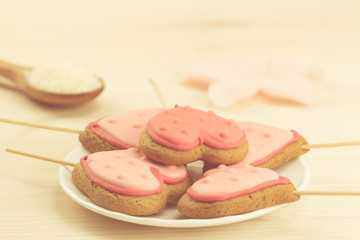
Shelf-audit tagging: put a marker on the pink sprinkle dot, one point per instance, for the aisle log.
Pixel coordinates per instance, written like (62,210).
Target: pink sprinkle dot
(121,176)
(111,121)
(185,130)
(236,178)
(269,134)
(164,128)
(177,120)
(208,180)
(230,122)
(137,125)
(145,176)
(224,133)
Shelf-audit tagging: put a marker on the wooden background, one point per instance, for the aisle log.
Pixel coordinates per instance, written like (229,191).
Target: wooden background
(126,42)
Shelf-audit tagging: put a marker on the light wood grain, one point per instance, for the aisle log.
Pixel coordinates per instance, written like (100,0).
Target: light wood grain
(126,42)
(35,125)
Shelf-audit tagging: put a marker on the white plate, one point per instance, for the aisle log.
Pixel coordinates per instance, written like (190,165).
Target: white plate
(297,171)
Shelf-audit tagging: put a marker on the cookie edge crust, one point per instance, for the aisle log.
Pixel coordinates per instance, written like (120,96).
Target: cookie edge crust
(93,143)
(131,205)
(177,190)
(162,154)
(287,154)
(263,198)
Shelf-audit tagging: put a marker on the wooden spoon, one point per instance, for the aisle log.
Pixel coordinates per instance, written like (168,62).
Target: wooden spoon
(16,73)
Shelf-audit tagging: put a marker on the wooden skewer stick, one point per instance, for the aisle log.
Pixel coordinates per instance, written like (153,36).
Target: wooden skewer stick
(306,146)
(60,129)
(166,105)
(159,93)
(328,193)
(330,145)
(40,157)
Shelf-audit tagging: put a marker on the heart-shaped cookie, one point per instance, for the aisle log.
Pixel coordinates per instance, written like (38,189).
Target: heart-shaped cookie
(118,131)
(269,147)
(127,181)
(230,191)
(183,134)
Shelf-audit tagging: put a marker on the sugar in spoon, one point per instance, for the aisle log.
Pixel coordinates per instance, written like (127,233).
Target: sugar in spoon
(19,75)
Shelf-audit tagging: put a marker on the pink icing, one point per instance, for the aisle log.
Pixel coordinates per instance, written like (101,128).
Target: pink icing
(123,130)
(264,143)
(184,128)
(172,174)
(228,182)
(130,172)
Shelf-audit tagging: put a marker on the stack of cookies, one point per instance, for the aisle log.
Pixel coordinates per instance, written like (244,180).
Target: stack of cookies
(138,163)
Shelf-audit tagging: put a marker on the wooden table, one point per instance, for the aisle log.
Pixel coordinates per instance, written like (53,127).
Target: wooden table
(126,43)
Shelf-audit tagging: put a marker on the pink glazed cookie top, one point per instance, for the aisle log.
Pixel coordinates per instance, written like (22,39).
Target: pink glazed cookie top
(123,130)
(228,182)
(130,172)
(184,128)
(265,141)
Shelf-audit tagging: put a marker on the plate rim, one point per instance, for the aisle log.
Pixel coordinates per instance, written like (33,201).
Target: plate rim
(173,223)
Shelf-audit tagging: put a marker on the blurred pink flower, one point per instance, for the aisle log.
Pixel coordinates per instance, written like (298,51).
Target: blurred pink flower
(231,80)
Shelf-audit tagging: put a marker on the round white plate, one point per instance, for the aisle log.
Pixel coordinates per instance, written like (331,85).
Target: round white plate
(297,171)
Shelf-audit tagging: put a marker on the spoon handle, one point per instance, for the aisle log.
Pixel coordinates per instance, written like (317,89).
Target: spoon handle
(11,71)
